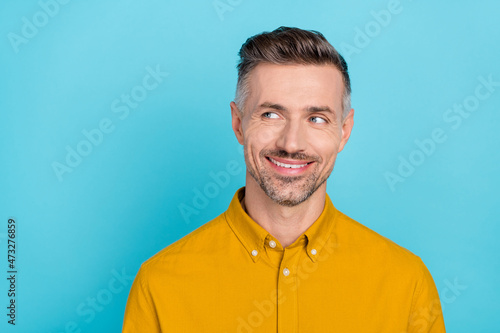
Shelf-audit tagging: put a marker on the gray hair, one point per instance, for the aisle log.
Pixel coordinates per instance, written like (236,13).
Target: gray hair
(289,46)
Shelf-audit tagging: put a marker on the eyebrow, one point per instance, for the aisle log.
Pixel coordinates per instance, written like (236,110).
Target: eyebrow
(325,108)
(311,109)
(267,105)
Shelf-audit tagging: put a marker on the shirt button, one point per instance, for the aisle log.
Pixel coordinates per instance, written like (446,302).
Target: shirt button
(255,252)
(286,272)
(313,252)
(272,244)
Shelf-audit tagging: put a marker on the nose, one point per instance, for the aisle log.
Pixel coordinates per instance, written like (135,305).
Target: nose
(292,138)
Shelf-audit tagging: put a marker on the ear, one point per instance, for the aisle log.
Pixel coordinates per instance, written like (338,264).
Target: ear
(236,118)
(347,124)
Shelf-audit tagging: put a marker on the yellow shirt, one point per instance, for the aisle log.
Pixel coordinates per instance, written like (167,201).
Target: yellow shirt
(231,275)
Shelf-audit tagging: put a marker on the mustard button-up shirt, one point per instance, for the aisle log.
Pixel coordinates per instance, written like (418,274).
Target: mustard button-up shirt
(231,275)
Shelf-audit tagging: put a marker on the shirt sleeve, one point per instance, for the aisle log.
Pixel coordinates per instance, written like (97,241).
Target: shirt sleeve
(140,312)
(426,315)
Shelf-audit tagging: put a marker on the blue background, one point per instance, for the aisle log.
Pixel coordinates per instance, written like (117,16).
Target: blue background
(122,203)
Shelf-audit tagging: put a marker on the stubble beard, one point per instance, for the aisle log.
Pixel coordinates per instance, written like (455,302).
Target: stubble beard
(286,191)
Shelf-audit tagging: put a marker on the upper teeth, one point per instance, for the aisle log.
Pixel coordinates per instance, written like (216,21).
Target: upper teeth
(284,165)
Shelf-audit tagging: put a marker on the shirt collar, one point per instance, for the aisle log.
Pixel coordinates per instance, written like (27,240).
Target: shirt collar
(252,236)
(320,232)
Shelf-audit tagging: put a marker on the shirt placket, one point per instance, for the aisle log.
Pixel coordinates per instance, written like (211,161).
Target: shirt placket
(287,291)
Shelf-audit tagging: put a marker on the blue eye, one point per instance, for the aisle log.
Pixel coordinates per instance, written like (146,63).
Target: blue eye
(318,120)
(270,115)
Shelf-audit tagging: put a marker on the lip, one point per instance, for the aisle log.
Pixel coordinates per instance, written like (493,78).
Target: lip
(289,171)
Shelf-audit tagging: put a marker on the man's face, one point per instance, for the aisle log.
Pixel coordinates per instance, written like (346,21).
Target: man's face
(292,128)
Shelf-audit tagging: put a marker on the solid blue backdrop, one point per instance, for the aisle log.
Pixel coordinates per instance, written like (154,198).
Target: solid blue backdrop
(114,119)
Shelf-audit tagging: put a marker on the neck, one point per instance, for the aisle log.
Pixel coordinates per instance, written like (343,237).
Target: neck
(286,224)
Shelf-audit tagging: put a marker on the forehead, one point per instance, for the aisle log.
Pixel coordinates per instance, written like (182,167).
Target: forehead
(296,85)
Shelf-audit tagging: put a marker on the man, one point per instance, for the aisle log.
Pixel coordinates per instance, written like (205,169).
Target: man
(282,258)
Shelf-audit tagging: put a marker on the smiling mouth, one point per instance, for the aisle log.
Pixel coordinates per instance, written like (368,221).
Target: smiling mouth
(288,166)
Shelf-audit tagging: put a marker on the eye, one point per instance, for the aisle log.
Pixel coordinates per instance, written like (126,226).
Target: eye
(317,120)
(270,115)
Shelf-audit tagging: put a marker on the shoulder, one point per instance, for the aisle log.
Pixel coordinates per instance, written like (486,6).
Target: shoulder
(364,242)
(190,249)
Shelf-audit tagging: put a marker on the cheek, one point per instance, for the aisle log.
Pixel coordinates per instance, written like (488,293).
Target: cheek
(326,146)
(329,155)
(261,136)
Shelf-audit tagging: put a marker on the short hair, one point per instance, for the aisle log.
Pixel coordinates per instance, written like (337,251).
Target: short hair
(284,46)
